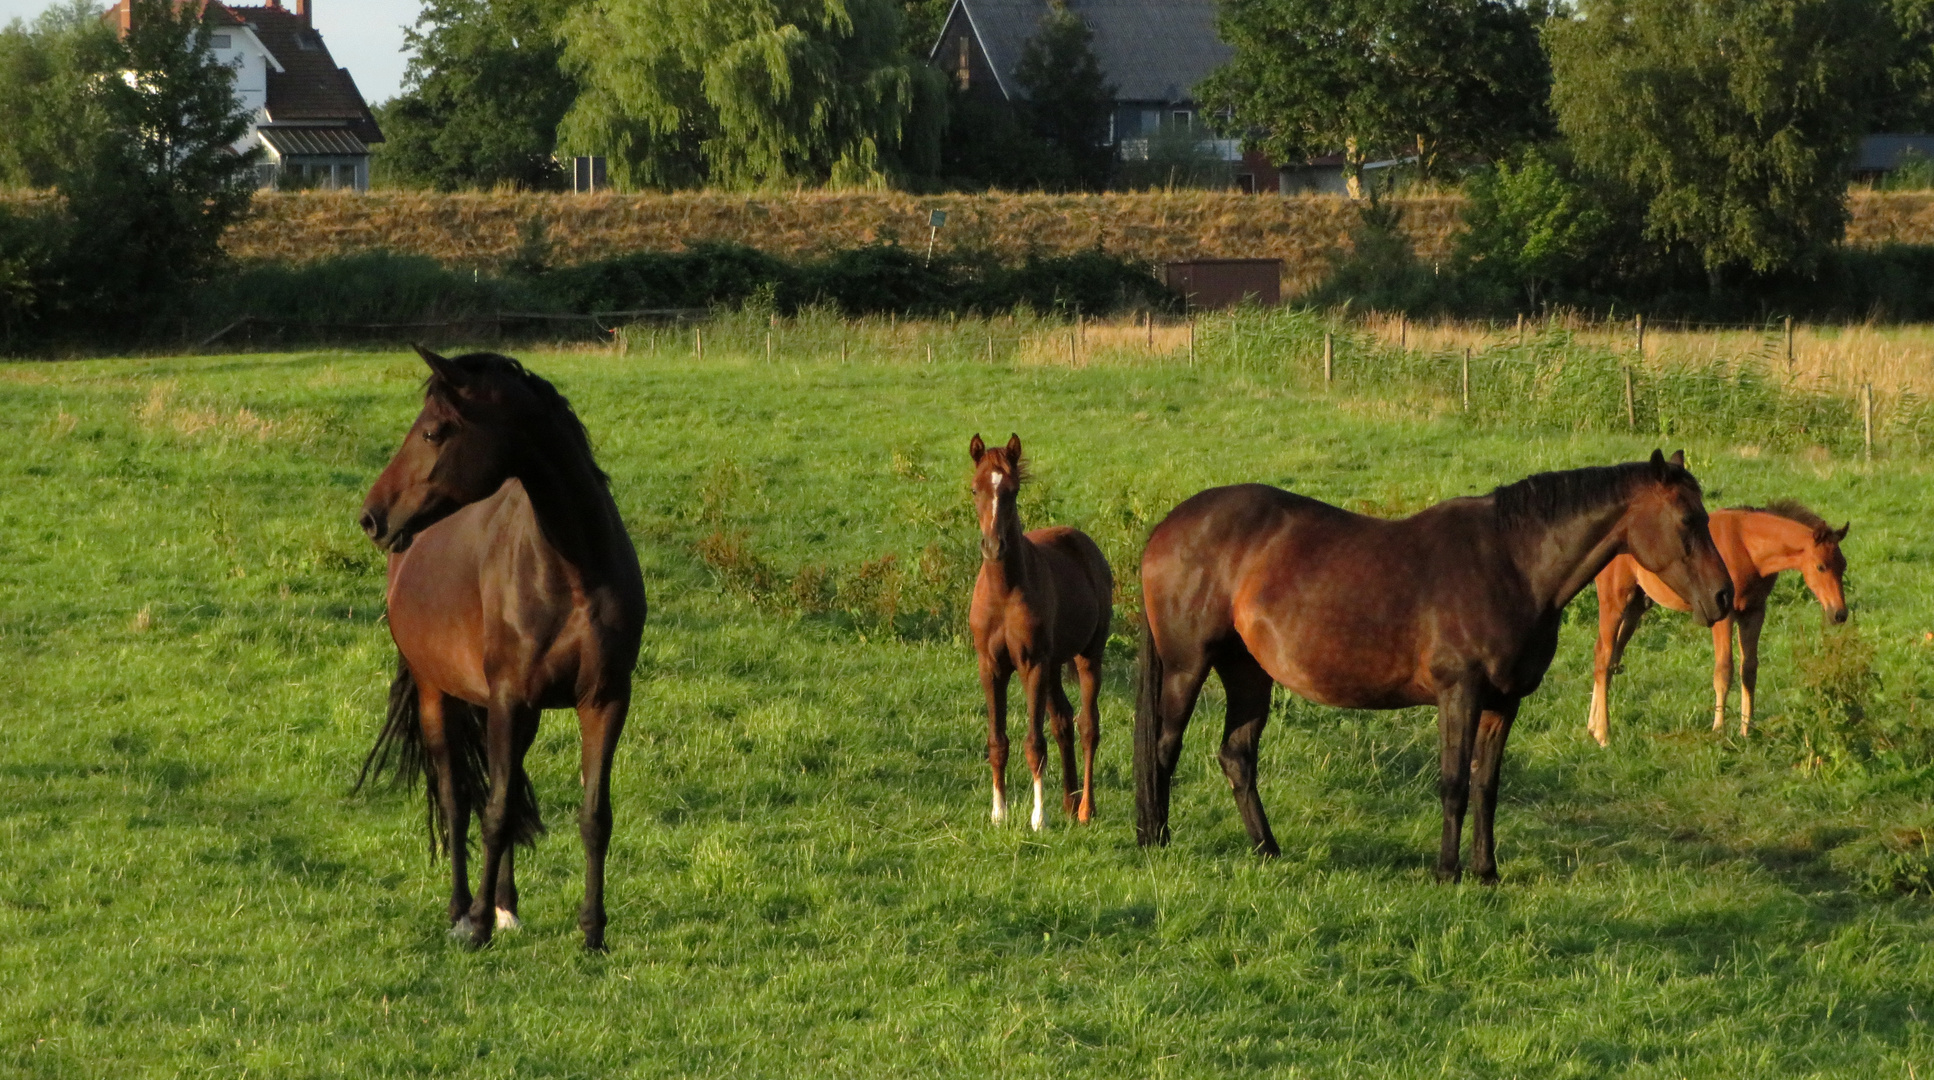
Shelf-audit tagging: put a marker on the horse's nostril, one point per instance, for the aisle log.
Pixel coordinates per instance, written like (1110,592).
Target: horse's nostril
(1840,616)
(370,527)
(1725,599)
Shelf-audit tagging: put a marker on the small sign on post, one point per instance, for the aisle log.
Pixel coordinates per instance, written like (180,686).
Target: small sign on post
(935,220)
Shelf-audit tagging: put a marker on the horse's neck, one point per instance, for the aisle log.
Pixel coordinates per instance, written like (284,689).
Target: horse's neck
(1772,542)
(574,511)
(1011,567)
(1563,557)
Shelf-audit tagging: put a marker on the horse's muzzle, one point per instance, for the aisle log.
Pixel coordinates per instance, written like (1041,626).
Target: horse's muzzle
(1839,614)
(375,525)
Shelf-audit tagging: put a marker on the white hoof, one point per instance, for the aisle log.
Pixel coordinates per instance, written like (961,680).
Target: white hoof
(507,920)
(461,929)
(999,815)
(1038,818)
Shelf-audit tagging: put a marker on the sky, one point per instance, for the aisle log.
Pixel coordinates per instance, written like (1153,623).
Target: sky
(365,36)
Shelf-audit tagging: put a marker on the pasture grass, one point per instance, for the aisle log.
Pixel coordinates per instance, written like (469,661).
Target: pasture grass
(803,878)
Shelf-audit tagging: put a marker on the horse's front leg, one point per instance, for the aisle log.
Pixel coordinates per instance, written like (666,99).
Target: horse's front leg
(1722,669)
(450,803)
(1750,622)
(599,725)
(1034,678)
(993,682)
(1248,688)
(1457,712)
(1493,728)
(507,734)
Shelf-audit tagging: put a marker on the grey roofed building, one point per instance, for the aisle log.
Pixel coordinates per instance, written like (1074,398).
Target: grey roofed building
(1154,52)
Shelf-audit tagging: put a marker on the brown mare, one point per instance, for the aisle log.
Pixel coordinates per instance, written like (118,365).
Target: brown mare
(513,587)
(1756,544)
(1043,599)
(1456,606)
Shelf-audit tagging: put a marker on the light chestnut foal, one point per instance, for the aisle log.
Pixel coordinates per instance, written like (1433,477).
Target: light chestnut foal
(1757,544)
(1043,599)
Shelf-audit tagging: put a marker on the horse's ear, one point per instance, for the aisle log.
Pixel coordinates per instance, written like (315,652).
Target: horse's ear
(1841,534)
(441,369)
(1658,462)
(975,448)
(1678,458)
(1013,449)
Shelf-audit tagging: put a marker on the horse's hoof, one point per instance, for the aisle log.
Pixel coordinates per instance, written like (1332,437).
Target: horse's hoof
(507,920)
(1449,877)
(460,929)
(1489,878)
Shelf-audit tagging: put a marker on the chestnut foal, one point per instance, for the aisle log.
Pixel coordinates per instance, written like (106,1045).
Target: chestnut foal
(1757,544)
(1043,599)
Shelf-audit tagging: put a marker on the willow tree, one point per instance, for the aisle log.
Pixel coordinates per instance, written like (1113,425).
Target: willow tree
(749,93)
(1422,78)
(1733,121)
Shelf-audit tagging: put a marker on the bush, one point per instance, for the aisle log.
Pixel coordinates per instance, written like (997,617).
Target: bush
(374,287)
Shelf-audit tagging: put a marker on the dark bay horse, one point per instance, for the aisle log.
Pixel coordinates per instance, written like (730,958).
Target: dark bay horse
(1757,544)
(1043,600)
(513,587)
(1456,606)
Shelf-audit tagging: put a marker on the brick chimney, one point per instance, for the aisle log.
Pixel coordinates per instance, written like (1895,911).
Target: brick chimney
(305,10)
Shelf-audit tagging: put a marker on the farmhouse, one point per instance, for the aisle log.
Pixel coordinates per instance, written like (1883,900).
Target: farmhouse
(1153,52)
(310,120)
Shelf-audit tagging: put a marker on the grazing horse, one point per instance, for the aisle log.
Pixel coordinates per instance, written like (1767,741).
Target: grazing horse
(1456,606)
(513,587)
(1757,544)
(1043,599)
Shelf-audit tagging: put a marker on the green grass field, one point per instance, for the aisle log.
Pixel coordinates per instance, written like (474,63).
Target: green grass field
(803,877)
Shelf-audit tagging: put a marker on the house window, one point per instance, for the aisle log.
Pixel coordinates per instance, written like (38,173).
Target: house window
(1246,182)
(963,73)
(220,41)
(1180,118)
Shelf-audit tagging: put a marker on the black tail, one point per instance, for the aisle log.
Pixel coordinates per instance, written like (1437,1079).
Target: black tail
(1151,810)
(399,750)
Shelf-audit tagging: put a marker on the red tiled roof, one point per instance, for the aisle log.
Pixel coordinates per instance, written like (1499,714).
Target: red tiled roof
(310,87)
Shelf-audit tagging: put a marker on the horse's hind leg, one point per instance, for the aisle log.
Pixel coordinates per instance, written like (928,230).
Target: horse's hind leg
(1457,714)
(599,726)
(1061,721)
(1722,669)
(1621,604)
(1493,728)
(1247,686)
(1088,670)
(1750,622)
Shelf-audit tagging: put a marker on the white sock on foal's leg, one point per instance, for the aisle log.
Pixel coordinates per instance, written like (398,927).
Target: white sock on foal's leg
(1037,819)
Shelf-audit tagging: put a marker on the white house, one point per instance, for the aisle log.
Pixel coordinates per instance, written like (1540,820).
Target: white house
(310,120)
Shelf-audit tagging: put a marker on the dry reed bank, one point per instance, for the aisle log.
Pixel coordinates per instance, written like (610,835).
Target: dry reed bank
(484,228)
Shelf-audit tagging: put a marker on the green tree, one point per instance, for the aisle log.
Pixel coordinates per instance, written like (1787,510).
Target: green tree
(1068,99)
(163,182)
(750,93)
(482,98)
(48,120)
(1409,77)
(1731,120)
(1529,225)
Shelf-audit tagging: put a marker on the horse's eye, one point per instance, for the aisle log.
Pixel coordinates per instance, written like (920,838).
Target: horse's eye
(436,433)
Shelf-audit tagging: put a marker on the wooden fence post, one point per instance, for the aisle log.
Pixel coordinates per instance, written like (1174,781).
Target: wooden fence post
(1148,319)
(1520,327)
(1467,378)
(768,346)
(1403,332)
(1191,339)
(1329,356)
(698,342)
(1789,343)
(1867,416)
(1638,323)
(1631,413)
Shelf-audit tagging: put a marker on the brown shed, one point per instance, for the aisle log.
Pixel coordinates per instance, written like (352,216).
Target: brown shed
(1221,283)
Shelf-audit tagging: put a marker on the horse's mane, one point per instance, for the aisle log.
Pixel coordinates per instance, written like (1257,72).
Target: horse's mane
(1791,510)
(1550,496)
(565,424)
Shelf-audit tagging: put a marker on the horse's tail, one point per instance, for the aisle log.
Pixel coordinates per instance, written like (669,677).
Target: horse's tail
(1149,829)
(400,751)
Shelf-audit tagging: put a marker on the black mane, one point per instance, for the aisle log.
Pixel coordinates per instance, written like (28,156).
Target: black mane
(566,425)
(1550,496)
